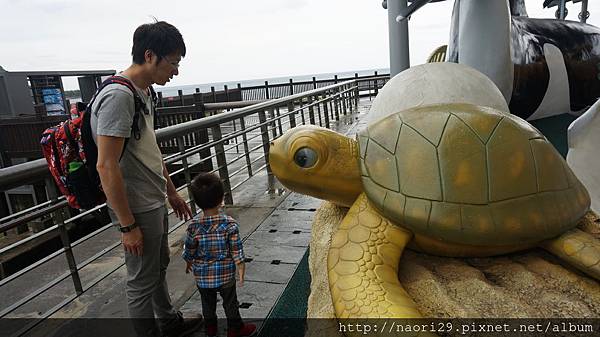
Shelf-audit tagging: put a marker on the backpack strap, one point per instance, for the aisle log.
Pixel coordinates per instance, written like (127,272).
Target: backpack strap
(139,104)
(91,151)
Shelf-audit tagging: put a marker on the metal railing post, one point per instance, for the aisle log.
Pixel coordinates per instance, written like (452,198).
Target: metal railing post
(349,98)
(311,111)
(227,99)
(186,171)
(336,105)
(291,87)
(326,115)
(376,82)
(222,163)
(246,147)
(343,99)
(181,99)
(279,121)
(267,96)
(356,94)
(329,103)
(160,99)
(302,114)
(59,217)
(272,124)
(262,118)
(318,108)
(204,155)
(291,116)
(214,94)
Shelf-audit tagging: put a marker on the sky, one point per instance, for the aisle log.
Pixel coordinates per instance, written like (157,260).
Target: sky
(226,40)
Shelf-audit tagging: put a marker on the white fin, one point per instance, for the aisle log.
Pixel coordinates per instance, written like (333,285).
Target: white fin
(557,99)
(584,142)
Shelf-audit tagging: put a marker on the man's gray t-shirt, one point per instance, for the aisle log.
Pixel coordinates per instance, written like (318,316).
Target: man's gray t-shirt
(141,164)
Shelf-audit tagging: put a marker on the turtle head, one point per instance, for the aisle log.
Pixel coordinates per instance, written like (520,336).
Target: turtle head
(318,162)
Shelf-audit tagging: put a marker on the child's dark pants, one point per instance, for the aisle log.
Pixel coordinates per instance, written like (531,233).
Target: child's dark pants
(230,304)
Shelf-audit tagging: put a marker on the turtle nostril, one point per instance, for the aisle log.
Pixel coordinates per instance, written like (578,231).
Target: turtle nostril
(271,144)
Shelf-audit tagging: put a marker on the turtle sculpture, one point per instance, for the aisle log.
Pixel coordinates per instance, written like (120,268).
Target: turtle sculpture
(455,179)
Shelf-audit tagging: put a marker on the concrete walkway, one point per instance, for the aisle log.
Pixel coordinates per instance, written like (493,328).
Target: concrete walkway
(276,231)
(275,248)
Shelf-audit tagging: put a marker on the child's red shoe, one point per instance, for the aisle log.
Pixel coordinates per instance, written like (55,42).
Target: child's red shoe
(246,330)
(211,331)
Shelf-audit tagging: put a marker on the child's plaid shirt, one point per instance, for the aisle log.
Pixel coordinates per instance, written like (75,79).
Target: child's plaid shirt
(214,246)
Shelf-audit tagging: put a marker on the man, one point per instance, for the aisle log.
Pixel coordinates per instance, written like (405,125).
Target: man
(135,179)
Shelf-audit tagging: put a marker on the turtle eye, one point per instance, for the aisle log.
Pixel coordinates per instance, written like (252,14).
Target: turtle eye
(305,157)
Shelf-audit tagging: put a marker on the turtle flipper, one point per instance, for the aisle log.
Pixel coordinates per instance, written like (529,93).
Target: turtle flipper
(579,249)
(363,266)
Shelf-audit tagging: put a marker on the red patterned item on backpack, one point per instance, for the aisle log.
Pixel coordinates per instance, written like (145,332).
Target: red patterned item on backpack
(72,154)
(63,149)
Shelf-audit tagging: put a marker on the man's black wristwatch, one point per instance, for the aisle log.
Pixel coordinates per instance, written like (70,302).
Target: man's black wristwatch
(127,229)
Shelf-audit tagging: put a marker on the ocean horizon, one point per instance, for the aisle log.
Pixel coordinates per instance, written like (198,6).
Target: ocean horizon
(206,87)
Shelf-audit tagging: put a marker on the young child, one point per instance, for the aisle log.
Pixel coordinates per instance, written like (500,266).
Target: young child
(213,251)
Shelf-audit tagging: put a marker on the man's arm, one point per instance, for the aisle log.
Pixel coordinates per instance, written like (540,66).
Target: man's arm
(109,154)
(181,208)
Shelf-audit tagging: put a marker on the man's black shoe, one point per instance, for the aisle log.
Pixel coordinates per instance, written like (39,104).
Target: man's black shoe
(180,327)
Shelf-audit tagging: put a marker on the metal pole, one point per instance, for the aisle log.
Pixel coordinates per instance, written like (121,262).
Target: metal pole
(311,112)
(180,94)
(562,8)
(222,163)
(59,218)
(246,147)
(206,164)
(326,114)
(186,171)
(279,121)
(584,15)
(398,36)
(292,116)
(160,99)
(267,90)
(264,130)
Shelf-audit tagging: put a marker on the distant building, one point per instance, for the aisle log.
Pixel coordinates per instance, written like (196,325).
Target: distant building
(30,102)
(31,93)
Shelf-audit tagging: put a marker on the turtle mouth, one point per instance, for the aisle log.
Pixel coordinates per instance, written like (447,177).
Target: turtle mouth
(276,157)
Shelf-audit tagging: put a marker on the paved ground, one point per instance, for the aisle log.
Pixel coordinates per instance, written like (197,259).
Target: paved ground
(276,231)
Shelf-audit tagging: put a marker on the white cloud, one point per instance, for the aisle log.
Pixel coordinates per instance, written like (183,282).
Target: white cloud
(226,40)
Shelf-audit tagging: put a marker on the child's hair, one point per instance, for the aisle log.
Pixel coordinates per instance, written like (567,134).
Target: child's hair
(207,190)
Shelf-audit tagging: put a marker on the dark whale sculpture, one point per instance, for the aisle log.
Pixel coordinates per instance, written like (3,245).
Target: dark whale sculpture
(579,45)
(543,67)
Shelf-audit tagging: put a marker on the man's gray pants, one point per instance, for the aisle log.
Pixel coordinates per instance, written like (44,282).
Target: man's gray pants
(146,290)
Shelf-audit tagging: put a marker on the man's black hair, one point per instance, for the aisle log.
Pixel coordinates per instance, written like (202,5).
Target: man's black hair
(160,37)
(207,190)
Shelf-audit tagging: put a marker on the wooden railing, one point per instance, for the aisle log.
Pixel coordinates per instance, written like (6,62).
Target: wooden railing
(20,137)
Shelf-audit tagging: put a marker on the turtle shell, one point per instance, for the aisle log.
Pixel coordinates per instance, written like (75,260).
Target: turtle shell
(470,175)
